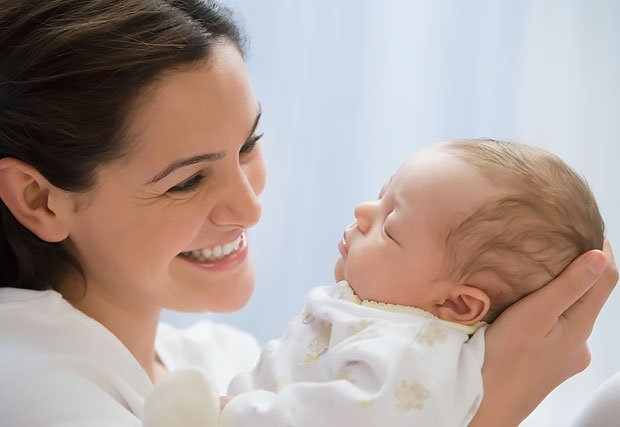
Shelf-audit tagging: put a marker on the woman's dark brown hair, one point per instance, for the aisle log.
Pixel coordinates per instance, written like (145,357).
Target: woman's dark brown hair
(71,73)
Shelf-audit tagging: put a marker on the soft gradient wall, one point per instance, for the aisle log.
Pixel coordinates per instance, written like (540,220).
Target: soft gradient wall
(350,88)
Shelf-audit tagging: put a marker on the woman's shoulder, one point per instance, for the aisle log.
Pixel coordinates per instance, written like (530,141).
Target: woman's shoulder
(48,345)
(603,408)
(222,350)
(27,314)
(14,299)
(41,324)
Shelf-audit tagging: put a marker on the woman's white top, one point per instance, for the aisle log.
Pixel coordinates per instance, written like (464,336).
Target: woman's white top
(60,368)
(344,361)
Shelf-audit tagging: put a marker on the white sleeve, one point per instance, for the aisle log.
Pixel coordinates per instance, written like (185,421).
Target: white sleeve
(603,409)
(219,349)
(185,398)
(383,376)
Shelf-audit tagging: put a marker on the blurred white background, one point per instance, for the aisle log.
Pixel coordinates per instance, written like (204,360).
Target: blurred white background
(350,88)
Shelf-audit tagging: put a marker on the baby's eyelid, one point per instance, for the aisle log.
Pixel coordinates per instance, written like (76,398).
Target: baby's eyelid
(388,235)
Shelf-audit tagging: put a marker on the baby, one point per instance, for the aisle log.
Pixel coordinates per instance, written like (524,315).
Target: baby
(460,232)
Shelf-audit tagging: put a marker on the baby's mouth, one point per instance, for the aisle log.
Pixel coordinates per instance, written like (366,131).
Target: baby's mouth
(216,252)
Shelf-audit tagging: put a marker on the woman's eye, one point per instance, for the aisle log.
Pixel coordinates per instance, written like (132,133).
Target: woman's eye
(188,185)
(249,146)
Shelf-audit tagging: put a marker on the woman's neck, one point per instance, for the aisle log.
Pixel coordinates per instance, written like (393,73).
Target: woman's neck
(134,324)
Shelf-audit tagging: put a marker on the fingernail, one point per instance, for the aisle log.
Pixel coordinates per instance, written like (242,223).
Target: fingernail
(596,263)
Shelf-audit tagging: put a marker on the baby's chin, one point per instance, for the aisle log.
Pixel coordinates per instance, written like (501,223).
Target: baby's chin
(339,270)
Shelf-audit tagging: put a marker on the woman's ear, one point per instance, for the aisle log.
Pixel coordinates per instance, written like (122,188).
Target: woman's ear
(31,199)
(464,304)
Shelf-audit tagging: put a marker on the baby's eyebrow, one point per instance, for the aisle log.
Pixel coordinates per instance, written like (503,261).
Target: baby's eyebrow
(385,186)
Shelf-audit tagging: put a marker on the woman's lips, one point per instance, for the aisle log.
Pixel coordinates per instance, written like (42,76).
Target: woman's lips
(226,263)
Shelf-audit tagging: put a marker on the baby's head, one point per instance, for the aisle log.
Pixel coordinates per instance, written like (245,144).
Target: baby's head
(466,228)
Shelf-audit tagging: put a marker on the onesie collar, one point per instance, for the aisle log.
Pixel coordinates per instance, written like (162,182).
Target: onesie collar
(346,292)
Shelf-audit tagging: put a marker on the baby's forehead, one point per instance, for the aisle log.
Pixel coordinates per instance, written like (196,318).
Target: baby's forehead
(433,168)
(442,187)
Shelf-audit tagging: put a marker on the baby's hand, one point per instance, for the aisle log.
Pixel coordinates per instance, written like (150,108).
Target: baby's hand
(185,397)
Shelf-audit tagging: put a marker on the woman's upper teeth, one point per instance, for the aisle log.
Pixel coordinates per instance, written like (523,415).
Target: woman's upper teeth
(217,251)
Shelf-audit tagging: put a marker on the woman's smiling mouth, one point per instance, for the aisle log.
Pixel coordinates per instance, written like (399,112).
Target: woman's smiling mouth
(217,252)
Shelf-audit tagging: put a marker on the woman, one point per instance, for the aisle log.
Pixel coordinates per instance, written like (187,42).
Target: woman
(129,172)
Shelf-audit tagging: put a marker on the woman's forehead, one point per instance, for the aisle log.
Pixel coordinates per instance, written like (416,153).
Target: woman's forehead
(208,108)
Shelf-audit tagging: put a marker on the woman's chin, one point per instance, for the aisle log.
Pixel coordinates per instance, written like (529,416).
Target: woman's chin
(199,290)
(231,305)
(215,303)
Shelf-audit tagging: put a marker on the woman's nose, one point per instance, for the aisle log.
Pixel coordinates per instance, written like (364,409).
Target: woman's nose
(364,214)
(239,205)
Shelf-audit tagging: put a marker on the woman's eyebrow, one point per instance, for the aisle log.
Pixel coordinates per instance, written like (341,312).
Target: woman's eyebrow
(209,157)
(177,164)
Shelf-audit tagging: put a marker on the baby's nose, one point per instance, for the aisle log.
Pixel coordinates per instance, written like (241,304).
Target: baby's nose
(364,213)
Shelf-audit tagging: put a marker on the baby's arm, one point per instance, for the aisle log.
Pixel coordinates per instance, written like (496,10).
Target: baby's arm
(396,376)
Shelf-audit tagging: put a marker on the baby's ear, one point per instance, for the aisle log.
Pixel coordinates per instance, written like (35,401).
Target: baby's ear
(464,304)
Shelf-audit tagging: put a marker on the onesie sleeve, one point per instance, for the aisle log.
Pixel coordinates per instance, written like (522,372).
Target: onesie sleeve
(378,374)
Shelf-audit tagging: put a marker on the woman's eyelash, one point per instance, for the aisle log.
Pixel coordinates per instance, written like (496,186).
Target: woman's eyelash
(249,146)
(187,186)
(192,183)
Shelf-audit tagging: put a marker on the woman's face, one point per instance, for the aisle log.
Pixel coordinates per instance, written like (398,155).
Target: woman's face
(165,227)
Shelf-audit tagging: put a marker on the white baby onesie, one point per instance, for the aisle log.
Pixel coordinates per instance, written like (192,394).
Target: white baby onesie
(344,361)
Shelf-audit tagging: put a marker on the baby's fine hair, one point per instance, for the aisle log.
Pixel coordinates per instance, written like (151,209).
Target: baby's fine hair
(526,238)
